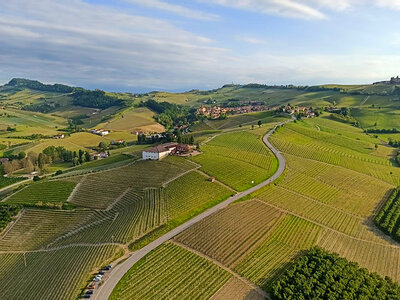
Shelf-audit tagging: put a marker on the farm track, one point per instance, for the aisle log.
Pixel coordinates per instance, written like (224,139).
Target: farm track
(119,271)
(216,262)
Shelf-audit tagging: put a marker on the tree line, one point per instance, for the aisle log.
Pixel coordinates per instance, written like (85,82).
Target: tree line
(375,130)
(95,99)
(389,216)
(323,275)
(36,85)
(7,212)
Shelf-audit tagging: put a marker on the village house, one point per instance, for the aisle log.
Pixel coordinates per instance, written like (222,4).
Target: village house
(159,152)
(98,155)
(216,112)
(117,142)
(100,132)
(59,136)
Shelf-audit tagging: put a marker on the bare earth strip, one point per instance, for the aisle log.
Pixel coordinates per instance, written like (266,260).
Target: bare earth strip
(118,272)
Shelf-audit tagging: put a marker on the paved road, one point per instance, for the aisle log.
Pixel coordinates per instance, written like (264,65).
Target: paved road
(104,291)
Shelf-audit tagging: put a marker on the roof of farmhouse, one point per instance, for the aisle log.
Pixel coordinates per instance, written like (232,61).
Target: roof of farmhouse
(161,148)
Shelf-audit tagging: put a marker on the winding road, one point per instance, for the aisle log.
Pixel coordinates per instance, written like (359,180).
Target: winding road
(115,275)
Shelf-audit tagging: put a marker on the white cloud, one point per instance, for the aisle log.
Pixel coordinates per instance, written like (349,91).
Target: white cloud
(176,9)
(252,40)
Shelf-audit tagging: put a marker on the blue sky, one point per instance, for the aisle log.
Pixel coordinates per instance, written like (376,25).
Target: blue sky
(172,45)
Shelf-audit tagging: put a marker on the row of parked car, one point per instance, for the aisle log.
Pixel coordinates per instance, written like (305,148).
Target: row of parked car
(95,281)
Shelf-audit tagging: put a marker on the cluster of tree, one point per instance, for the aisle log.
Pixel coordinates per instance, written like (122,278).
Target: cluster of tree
(394,143)
(95,99)
(36,85)
(375,130)
(170,114)
(7,212)
(104,147)
(323,275)
(175,136)
(389,216)
(182,139)
(398,157)
(344,115)
(45,107)
(61,154)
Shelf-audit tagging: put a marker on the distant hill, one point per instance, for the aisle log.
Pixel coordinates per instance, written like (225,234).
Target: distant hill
(36,85)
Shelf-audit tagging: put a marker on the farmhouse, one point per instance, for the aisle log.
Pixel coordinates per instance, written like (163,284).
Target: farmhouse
(159,152)
(59,136)
(100,132)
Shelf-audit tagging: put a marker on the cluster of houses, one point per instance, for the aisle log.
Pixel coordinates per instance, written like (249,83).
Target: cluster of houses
(215,112)
(393,80)
(306,111)
(161,151)
(99,155)
(101,132)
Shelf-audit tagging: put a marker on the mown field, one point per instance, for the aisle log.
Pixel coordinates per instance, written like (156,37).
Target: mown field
(238,159)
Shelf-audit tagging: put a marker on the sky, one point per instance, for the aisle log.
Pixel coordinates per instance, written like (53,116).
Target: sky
(176,45)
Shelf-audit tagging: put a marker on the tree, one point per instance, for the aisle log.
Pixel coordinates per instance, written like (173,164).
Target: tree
(259,123)
(87,156)
(191,140)
(21,155)
(102,146)
(179,140)
(8,167)
(376,146)
(29,167)
(16,164)
(252,126)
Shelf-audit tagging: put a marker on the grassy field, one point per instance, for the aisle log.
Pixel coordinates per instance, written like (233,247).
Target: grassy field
(229,235)
(139,119)
(239,160)
(192,192)
(384,117)
(43,193)
(172,272)
(50,275)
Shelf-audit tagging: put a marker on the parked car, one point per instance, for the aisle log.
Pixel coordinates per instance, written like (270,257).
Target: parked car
(89,292)
(86,296)
(96,279)
(101,273)
(92,286)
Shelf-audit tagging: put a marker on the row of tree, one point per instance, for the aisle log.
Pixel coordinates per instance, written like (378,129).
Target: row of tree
(375,130)
(389,216)
(323,275)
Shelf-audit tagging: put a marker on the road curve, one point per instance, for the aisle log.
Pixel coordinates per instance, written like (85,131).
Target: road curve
(104,291)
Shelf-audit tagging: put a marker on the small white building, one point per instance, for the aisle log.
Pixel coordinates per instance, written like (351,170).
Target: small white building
(158,152)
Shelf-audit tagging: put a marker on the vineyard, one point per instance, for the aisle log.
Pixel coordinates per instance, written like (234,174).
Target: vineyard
(388,217)
(236,289)
(239,160)
(43,193)
(174,273)
(228,235)
(134,215)
(267,261)
(56,274)
(351,191)
(37,227)
(376,257)
(191,193)
(99,190)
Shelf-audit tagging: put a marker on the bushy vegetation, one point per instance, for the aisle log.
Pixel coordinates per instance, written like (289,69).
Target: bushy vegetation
(95,99)
(45,107)
(323,275)
(170,114)
(36,85)
(375,130)
(7,212)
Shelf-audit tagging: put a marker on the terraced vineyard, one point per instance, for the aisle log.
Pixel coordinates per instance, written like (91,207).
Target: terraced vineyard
(43,193)
(269,259)
(56,274)
(228,235)
(135,214)
(174,273)
(99,190)
(191,193)
(237,159)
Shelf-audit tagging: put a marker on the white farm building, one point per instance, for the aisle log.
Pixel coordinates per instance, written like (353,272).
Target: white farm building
(158,152)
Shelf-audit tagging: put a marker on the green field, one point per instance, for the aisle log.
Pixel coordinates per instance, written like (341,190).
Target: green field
(172,272)
(240,160)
